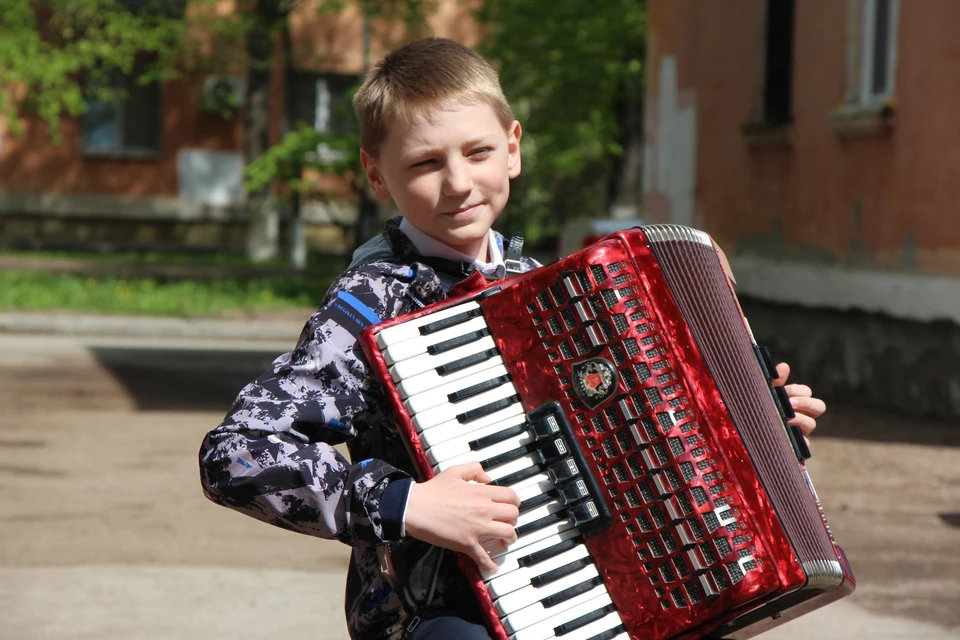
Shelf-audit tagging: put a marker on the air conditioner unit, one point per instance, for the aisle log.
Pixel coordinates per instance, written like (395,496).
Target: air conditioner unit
(224,93)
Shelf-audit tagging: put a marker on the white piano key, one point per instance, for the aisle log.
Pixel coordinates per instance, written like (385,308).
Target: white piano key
(540,511)
(454,429)
(411,329)
(525,492)
(419,364)
(544,629)
(610,621)
(438,395)
(527,461)
(431,379)
(461,444)
(510,561)
(417,346)
(537,612)
(552,529)
(480,455)
(447,412)
(505,584)
(528,594)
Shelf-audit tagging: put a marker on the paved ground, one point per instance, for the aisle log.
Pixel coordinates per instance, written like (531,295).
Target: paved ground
(104,532)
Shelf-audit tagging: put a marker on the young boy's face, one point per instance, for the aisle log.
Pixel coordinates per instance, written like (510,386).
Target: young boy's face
(449,173)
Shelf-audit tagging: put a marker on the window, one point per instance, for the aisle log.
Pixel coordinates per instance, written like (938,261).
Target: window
(322,101)
(878,40)
(778,63)
(122,117)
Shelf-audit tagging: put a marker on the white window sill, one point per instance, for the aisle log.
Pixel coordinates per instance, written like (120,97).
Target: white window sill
(856,121)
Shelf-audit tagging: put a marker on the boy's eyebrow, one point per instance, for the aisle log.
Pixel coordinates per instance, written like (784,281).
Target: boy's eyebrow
(472,142)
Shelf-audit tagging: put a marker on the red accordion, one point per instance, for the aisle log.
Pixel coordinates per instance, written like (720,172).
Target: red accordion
(620,393)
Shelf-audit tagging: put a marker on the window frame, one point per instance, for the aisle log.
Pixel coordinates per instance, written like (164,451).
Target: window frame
(124,85)
(866,97)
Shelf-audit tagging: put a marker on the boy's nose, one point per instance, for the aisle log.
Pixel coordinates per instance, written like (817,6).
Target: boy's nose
(457,181)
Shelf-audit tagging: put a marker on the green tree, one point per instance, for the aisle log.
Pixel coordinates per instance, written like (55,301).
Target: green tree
(46,49)
(573,73)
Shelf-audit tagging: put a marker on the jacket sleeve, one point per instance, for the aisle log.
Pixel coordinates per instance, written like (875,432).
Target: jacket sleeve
(273,456)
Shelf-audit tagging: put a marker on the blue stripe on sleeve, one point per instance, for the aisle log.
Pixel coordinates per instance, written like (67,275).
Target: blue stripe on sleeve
(359,307)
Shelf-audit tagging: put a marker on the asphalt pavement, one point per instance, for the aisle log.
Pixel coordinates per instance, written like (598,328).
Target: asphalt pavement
(105,533)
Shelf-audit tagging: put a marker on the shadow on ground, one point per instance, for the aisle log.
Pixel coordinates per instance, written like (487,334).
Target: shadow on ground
(852,422)
(161,379)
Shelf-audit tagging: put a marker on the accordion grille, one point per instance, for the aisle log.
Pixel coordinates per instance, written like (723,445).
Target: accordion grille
(657,492)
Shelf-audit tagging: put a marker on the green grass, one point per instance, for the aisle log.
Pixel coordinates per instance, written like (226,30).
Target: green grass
(316,261)
(222,297)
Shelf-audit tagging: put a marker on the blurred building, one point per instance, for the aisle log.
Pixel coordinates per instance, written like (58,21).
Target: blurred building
(817,142)
(164,167)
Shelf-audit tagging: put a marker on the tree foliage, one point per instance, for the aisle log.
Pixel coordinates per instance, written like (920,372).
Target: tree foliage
(568,69)
(47,46)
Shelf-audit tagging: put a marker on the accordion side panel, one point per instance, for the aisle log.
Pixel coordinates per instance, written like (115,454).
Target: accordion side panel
(706,300)
(677,556)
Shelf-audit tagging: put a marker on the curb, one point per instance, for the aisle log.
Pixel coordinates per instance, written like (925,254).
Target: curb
(149,327)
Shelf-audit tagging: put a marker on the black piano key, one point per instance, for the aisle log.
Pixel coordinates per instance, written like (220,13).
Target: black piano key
(571,592)
(609,633)
(478,388)
(506,456)
(487,409)
(459,341)
(499,436)
(517,476)
(446,323)
(465,362)
(549,552)
(583,620)
(555,574)
(536,501)
(540,523)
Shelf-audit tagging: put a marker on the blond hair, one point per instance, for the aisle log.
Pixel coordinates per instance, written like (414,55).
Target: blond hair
(424,75)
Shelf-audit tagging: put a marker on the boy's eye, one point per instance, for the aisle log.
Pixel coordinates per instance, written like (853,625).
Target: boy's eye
(423,163)
(480,152)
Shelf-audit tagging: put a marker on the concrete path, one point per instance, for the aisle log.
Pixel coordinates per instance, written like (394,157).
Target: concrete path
(104,533)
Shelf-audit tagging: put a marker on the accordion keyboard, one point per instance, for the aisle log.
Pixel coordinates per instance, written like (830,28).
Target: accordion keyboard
(464,407)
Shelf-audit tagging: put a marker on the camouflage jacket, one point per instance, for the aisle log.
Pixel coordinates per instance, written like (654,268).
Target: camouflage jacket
(273,456)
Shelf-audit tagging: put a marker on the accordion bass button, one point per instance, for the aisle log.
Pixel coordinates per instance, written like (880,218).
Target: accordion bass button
(710,588)
(697,561)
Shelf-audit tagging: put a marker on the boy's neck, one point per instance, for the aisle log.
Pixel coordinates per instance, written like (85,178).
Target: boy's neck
(478,251)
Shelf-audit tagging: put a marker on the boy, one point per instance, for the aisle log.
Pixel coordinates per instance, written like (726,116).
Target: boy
(440,139)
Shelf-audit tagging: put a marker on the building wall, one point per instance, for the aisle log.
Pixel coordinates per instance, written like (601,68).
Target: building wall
(34,164)
(845,247)
(877,201)
(52,193)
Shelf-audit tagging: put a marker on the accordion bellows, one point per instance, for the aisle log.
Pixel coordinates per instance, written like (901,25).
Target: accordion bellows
(620,393)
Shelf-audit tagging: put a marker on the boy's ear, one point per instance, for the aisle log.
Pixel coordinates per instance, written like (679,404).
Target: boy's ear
(513,149)
(374,175)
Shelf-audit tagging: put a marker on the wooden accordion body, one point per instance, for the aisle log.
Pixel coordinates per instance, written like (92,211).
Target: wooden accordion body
(698,515)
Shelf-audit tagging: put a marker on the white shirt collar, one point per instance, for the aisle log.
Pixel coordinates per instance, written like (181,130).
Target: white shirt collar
(429,246)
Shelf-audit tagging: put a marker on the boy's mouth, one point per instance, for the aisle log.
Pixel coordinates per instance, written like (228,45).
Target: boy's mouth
(462,211)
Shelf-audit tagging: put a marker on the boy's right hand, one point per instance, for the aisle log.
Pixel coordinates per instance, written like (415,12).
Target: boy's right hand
(451,512)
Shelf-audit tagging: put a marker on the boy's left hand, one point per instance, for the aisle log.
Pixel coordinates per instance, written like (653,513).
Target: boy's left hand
(807,408)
